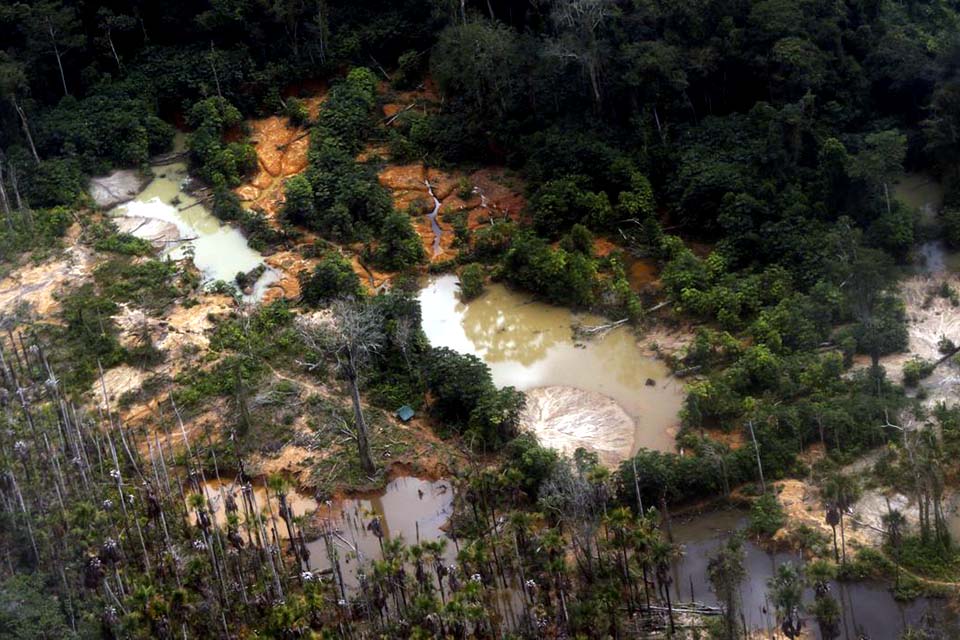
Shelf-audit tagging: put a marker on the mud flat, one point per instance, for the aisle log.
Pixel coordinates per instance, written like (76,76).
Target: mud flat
(530,345)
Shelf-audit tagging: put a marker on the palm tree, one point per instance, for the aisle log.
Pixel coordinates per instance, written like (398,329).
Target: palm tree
(619,522)
(786,592)
(663,555)
(825,607)
(726,573)
(895,523)
(841,492)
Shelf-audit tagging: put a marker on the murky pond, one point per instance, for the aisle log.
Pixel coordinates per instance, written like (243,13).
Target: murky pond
(529,345)
(409,508)
(168,216)
(869,609)
(218,492)
(923,194)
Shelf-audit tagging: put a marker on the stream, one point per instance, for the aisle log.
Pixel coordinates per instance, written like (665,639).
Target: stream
(181,226)
(437,231)
(529,345)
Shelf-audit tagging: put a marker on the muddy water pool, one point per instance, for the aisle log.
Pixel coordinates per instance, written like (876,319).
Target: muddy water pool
(923,194)
(530,345)
(869,609)
(410,508)
(217,492)
(220,251)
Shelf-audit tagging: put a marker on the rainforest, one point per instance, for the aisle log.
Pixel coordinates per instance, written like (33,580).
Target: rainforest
(480,319)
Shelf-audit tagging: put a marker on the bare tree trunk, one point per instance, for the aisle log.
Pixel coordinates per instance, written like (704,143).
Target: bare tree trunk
(4,202)
(56,52)
(15,183)
(756,449)
(216,77)
(26,128)
(843,539)
(113,50)
(363,443)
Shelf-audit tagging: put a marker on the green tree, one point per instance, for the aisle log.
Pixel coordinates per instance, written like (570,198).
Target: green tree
(471,281)
(353,337)
(332,278)
(298,201)
(399,246)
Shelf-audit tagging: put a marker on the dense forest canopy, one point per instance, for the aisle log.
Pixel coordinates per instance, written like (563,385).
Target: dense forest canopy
(747,149)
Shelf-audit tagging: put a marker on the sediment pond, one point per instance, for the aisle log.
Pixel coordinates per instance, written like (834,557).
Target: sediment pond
(530,345)
(179,225)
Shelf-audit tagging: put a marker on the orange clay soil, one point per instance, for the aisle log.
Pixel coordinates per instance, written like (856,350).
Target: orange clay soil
(281,152)
(490,197)
(423,99)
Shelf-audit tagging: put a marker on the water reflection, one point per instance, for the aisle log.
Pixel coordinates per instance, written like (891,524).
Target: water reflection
(869,609)
(218,493)
(410,508)
(529,344)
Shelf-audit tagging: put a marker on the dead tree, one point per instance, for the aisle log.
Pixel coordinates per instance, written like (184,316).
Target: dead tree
(352,336)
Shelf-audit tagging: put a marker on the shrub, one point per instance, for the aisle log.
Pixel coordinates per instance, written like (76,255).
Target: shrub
(951,226)
(766,515)
(410,67)
(108,240)
(296,112)
(471,281)
(915,370)
(145,283)
(464,188)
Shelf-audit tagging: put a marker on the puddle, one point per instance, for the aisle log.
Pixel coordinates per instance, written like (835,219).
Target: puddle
(869,609)
(921,192)
(220,251)
(218,492)
(410,508)
(528,345)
